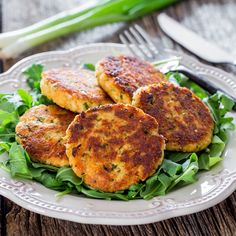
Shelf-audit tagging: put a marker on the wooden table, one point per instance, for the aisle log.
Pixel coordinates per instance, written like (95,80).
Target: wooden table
(214,19)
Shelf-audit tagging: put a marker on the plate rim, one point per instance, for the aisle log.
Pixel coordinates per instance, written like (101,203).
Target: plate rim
(110,221)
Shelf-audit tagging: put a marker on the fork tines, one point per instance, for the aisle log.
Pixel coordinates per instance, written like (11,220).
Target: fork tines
(139,42)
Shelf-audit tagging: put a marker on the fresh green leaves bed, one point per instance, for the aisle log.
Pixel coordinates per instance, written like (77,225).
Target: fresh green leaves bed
(178,169)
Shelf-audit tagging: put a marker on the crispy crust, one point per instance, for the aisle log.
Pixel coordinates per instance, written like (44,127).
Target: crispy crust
(184,120)
(121,76)
(114,146)
(75,90)
(41,130)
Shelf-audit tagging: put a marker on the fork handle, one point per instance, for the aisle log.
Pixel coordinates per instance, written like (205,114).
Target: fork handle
(198,79)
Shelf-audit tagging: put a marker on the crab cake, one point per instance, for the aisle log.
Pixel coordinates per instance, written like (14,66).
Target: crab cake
(41,130)
(121,76)
(75,90)
(114,146)
(184,120)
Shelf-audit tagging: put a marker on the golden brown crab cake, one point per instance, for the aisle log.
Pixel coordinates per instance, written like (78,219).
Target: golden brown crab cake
(75,90)
(114,146)
(184,120)
(121,76)
(41,131)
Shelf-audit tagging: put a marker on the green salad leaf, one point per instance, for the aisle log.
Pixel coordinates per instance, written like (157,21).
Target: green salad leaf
(89,66)
(178,169)
(18,162)
(12,106)
(66,174)
(108,196)
(50,181)
(33,75)
(44,166)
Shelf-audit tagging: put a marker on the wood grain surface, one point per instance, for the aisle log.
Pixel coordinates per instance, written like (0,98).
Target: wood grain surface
(213,19)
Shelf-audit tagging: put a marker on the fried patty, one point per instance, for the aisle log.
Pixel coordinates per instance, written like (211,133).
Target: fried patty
(184,120)
(75,90)
(41,130)
(121,76)
(114,146)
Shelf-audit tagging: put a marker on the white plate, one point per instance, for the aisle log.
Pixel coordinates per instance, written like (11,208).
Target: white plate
(212,187)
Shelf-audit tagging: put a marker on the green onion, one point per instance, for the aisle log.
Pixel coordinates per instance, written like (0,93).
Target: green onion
(99,13)
(9,37)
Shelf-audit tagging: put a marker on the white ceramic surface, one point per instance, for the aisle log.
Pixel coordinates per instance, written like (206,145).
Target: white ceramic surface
(211,188)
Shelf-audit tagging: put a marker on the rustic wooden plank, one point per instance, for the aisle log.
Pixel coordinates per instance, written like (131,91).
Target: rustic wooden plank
(2,211)
(20,221)
(219,220)
(214,221)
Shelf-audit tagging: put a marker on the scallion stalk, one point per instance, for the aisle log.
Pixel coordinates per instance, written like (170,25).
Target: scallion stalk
(108,11)
(9,37)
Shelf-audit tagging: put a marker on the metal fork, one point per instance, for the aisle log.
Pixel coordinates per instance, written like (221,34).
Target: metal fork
(141,45)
